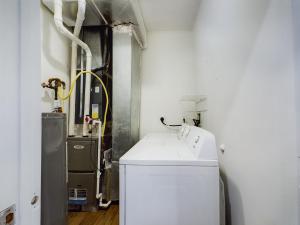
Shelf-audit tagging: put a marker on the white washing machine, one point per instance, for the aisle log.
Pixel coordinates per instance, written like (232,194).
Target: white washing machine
(171,179)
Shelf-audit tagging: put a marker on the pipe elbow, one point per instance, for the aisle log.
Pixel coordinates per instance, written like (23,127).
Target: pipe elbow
(59,25)
(88,53)
(74,44)
(58,22)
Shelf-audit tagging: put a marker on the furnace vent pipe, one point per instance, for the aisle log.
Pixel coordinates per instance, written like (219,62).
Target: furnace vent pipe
(58,19)
(78,24)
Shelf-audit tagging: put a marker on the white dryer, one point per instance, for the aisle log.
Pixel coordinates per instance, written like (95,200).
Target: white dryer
(171,179)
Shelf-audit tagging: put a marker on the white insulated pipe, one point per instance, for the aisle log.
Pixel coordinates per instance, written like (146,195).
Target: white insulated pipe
(87,96)
(98,157)
(58,19)
(78,24)
(80,17)
(98,194)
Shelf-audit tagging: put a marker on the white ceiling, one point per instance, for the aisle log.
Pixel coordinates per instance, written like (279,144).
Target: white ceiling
(169,14)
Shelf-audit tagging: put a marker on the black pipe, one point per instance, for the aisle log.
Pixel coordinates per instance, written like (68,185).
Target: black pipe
(162,120)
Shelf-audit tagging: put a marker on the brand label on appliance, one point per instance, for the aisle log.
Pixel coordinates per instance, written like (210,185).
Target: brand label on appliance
(78,147)
(95,111)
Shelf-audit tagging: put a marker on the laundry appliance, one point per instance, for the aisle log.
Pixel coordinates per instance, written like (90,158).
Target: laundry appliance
(171,179)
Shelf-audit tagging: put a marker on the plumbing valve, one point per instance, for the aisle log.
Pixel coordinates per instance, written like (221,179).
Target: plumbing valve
(54,84)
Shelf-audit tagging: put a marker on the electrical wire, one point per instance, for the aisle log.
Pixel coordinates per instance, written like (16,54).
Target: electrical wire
(162,120)
(73,83)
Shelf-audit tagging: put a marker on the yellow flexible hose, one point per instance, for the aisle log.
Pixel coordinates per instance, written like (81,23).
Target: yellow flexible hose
(73,83)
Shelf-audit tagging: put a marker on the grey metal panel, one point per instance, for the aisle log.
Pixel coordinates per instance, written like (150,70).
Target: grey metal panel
(126,100)
(135,91)
(54,182)
(85,181)
(121,132)
(98,38)
(82,154)
(115,181)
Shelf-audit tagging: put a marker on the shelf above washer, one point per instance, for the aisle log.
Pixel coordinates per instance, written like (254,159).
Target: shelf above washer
(194,98)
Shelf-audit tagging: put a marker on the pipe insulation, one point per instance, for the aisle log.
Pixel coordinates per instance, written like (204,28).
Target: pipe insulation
(78,24)
(99,195)
(58,19)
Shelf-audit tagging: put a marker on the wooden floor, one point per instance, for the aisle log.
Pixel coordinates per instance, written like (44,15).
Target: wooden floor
(102,217)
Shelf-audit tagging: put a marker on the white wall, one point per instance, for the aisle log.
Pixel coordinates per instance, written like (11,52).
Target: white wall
(20,133)
(9,92)
(296,26)
(246,66)
(168,70)
(30,112)
(55,58)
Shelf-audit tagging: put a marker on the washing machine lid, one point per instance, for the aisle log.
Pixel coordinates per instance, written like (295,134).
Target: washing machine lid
(197,148)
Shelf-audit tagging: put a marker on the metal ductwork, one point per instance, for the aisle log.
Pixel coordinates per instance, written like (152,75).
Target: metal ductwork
(98,12)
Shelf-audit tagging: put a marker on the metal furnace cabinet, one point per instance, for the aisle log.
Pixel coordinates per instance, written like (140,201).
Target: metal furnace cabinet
(82,170)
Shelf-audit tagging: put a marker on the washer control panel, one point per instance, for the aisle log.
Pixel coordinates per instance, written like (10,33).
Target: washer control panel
(201,142)
(184,132)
